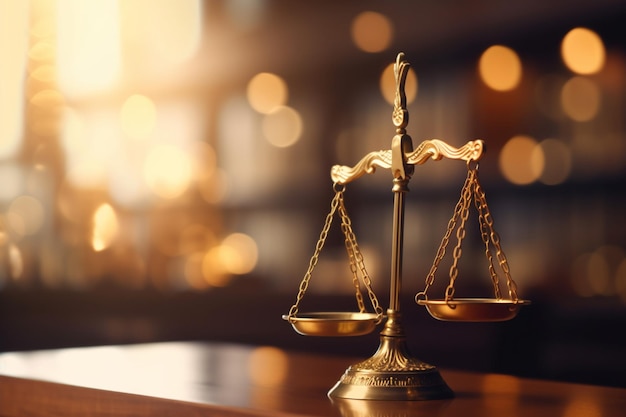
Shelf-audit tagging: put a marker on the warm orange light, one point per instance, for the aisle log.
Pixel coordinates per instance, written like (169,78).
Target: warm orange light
(372,32)
(239,253)
(580,99)
(14,20)
(193,271)
(520,161)
(583,51)
(86,167)
(88,46)
(26,215)
(558,161)
(601,272)
(167,171)
(196,238)
(266,92)
(44,73)
(16,261)
(282,127)
(138,116)
(105,227)
(500,68)
(159,36)
(12,180)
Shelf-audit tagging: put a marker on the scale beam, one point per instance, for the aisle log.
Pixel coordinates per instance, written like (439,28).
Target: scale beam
(434,149)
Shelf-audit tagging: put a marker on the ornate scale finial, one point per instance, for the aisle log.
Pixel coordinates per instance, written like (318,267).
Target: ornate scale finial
(400,115)
(402,158)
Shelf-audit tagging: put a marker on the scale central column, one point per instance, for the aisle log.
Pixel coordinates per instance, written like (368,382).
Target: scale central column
(400,187)
(392,373)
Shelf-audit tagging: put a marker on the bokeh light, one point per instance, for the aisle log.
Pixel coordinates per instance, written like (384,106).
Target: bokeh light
(521,160)
(88,49)
(580,99)
(558,161)
(372,32)
(500,68)
(599,272)
(47,98)
(88,145)
(14,19)
(388,85)
(266,92)
(138,117)
(12,180)
(239,253)
(236,255)
(25,215)
(177,26)
(105,227)
(16,262)
(44,73)
(583,51)
(193,271)
(195,238)
(167,171)
(213,269)
(282,127)
(214,189)
(127,182)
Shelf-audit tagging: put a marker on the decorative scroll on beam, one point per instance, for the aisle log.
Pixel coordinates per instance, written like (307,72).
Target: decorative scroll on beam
(436,149)
(342,174)
(429,149)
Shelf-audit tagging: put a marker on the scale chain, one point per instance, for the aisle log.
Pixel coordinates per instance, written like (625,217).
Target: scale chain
(304,284)
(354,254)
(430,278)
(495,239)
(358,258)
(350,247)
(485,233)
(472,191)
(460,235)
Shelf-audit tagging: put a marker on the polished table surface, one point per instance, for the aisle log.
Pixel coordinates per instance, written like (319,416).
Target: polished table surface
(202,379)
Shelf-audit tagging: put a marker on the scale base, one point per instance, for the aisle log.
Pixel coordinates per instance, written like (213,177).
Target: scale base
(391,374)
(394,386)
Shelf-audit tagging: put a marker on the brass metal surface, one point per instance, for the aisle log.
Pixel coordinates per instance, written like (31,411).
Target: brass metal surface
(333,323)
(392,373)
(473,309)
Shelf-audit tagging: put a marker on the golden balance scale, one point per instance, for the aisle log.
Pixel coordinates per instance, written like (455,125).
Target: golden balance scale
(392,373)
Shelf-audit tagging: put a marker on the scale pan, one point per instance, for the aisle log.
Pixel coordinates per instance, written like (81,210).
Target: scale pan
(333,323)
(473,309)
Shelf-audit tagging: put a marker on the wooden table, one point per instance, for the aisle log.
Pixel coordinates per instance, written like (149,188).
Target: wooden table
(201,379)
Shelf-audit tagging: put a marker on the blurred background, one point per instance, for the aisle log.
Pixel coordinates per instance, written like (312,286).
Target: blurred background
(164,171)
